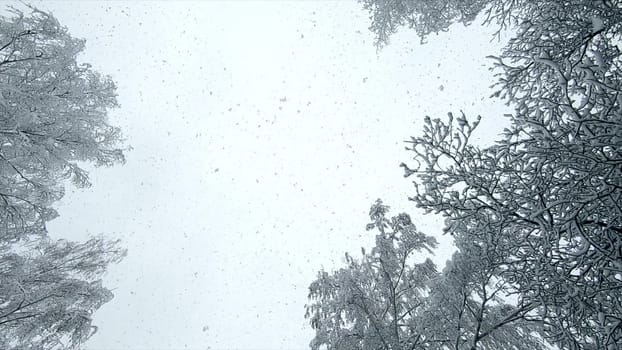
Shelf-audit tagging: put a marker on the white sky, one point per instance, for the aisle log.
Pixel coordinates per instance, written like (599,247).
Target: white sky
(261,134)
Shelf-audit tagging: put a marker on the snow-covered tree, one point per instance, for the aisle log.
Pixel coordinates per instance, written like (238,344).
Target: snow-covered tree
(370,304)
(53,114)
(425,17)
(549,201)
(387,300)
(49,291)
(550,191)
(467,306)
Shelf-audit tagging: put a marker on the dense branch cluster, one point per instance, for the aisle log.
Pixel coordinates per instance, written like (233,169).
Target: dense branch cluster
(53,114)
(50,290)
(543,206)
(394,298)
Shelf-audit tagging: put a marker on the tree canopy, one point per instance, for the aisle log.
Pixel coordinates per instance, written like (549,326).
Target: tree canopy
(548,194)
(395,298)
(540,210)
(50,290)
(53,115)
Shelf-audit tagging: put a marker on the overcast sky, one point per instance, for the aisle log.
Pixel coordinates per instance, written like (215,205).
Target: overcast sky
(261,133)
